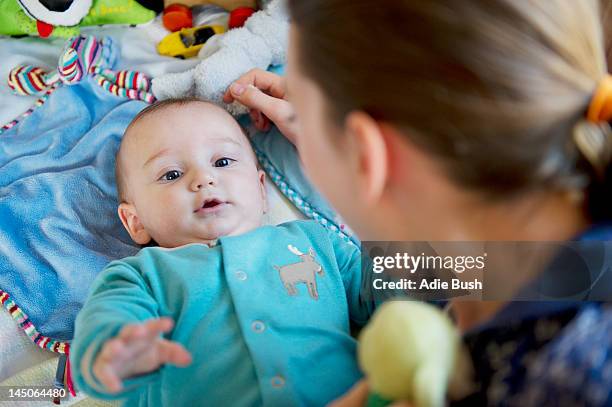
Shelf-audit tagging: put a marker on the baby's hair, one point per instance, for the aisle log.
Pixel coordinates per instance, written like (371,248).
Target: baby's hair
(155,107)
(161,105)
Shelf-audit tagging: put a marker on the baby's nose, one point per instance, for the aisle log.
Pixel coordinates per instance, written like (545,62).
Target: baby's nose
(201,181)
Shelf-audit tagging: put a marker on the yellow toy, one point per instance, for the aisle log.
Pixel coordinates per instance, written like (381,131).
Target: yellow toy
(411,351)
(187,42)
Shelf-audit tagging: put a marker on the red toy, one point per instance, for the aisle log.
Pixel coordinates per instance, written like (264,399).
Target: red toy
(239,16)
(177,16)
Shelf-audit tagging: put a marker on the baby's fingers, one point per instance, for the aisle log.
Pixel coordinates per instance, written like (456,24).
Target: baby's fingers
(172,353)
(112,351)
(105,368)
(159,325)
(149,329)
(108,377)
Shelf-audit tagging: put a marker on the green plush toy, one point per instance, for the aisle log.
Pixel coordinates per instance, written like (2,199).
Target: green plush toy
(411,351)
(64,18)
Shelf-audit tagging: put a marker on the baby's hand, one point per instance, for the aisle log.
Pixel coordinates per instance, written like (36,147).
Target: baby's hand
(136,350)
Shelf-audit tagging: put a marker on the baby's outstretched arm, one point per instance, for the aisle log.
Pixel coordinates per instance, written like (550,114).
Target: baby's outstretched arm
(137,349)
(124,332)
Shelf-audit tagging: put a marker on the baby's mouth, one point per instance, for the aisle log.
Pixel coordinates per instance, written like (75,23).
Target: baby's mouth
(210,205)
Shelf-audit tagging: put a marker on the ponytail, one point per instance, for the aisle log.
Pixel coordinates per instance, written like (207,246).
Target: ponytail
(595,145)
(594,141)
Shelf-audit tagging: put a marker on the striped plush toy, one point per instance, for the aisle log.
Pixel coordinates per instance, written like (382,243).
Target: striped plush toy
(84,56)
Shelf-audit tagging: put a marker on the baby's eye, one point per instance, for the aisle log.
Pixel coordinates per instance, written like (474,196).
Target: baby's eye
(224,162)
(171,175)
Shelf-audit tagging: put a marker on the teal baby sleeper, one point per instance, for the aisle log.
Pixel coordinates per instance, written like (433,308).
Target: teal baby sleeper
(266,316)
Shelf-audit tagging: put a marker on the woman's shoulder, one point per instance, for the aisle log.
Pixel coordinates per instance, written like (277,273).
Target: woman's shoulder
(575,368)
(562,358)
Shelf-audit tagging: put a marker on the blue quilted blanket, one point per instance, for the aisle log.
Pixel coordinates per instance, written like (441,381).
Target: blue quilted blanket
(58,222)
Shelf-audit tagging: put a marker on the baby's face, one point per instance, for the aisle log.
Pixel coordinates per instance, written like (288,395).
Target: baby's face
(191,177)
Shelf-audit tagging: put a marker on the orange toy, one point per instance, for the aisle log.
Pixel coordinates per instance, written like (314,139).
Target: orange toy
(229,5)
(177,16)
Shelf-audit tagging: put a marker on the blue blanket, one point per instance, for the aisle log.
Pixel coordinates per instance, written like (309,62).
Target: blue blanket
(58,219)
(58,222)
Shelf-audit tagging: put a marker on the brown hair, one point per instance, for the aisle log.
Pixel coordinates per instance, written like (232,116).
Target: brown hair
(496,89)
(606,18)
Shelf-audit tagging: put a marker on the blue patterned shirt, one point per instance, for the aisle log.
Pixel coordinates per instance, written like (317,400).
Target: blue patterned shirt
(547,353)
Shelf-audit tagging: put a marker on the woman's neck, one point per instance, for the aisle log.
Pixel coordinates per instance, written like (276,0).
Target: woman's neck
(445,213)
(551,217)
(540,217)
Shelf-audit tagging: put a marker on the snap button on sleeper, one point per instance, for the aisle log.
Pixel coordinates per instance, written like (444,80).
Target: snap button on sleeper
(258,326)
(241,275)
(277,381)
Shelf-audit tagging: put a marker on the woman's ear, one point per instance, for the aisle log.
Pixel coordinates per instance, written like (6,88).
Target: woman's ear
(372,157)
(131,223)
(264,194)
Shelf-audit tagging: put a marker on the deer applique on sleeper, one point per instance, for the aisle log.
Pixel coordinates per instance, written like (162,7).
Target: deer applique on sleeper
(304,271)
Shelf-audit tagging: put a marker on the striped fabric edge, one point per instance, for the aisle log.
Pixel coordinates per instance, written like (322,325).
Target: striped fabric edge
(39,102)
(13,309)
(298,200)
(22,319)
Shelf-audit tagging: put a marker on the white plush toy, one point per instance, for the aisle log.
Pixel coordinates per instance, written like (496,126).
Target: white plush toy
(261,42)
(412,351)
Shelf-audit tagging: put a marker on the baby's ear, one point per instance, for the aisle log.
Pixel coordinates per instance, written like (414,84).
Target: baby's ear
(131,223)
(262,183)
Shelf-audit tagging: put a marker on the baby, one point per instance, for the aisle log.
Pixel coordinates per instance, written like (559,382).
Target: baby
(222,310)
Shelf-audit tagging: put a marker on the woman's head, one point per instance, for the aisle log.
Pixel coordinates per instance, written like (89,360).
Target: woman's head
(493,93)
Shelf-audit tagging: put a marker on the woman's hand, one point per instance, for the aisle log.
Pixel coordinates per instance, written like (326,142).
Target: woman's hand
(136,350)
(265,94)
(357,397)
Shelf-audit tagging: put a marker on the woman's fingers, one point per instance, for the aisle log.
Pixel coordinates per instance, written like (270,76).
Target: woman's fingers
(270,83)
(260,120)
(355,397)
(273,107)
(267,108)
(253,114)
(264,94)
(265,123)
